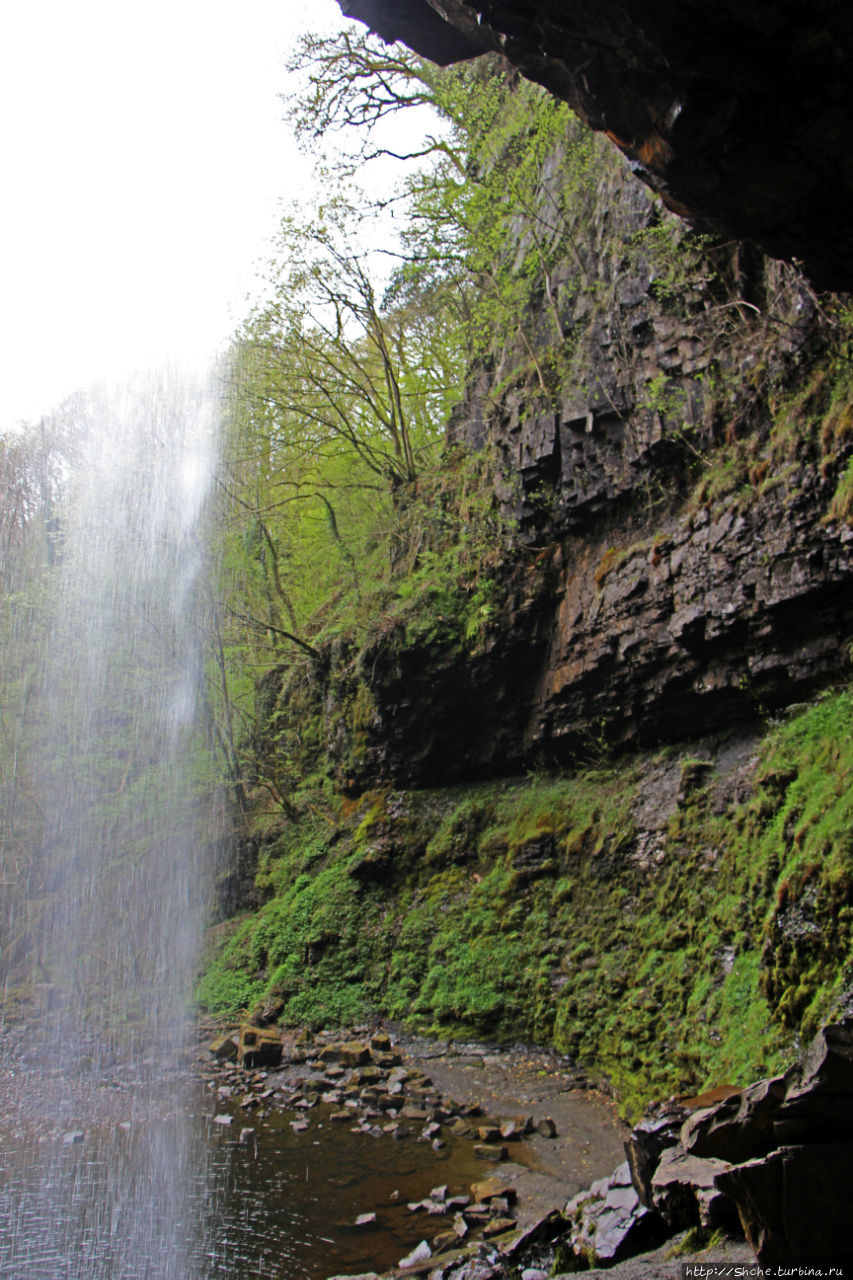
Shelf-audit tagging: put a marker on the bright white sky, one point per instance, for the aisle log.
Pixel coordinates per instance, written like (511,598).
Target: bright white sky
(143,156)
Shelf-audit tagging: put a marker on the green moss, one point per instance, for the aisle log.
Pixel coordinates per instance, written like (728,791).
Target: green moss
(524,910)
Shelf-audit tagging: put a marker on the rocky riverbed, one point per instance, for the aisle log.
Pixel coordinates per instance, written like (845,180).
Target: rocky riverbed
(546,1137)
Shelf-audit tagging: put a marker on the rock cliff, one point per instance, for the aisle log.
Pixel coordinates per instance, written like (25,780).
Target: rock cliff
(681,562)
(739,114)
(580,803)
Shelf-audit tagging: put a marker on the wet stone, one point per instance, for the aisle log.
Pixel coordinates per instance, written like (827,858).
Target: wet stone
(498,1226)
(491,1187)
(485,1151)
(421,1253)
(489,1133)
(224,1048)
(354,1053)
(386,1059)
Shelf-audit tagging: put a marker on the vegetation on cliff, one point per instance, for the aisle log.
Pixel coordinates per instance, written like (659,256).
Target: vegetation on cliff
(671,920)
(673,917)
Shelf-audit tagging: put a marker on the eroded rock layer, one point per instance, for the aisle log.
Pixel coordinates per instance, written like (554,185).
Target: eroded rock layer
(739,114)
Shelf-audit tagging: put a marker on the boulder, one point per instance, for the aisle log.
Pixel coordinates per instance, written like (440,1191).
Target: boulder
(354,1053)
(224,1049)
(794,1204)
(739,1127)
(818,1102)
(259,1047)
(490,1188)
(659,1129)
(609,1223)
(685,1192)
(780,1152)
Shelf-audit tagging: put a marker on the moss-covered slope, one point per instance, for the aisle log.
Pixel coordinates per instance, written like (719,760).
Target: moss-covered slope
(676,919)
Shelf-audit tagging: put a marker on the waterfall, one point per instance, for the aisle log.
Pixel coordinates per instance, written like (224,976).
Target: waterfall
(110,813)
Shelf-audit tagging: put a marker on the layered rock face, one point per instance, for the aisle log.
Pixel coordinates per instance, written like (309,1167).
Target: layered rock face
(739,114)
(680,567)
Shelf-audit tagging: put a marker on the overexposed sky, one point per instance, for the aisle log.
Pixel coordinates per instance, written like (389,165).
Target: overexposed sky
(143,155)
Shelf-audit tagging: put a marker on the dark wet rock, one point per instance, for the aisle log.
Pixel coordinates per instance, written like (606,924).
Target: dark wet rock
(498,1227)
(259,1047)
(818,1102)
(609,1223)
(685,1192)
(477,1214)
(224,1049)
(386,1060)
(489,1188)
(488,1151)
(792,1197)
(354,1053)
(659,1129)
(532,1238)
(737,1128)
(410,1112)
(489,1133)
(546,1127)
(691,92)
(794,1204)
